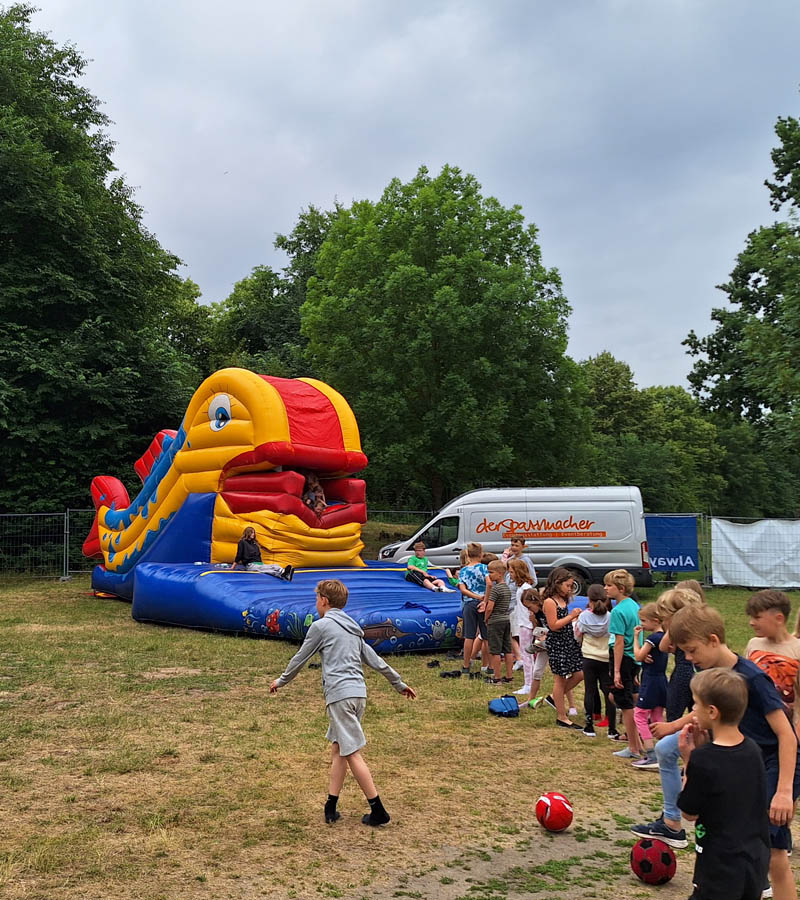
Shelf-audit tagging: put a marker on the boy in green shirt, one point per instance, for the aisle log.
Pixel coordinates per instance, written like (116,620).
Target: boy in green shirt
(417,570)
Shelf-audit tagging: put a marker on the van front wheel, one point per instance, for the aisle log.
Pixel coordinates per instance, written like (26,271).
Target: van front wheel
(581,581)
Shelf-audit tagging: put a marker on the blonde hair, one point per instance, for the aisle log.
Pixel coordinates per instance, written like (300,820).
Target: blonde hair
(650,611)
(723,688)
(673,600)
(622,579)
(334,592)
(474,551)
(519,571)
(696,622)
(497,565)
(463,557)
(692,585)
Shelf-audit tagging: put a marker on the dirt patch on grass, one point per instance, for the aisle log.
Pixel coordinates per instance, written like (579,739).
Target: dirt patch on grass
(170,672)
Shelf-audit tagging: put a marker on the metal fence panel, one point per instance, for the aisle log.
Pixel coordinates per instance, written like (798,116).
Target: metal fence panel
(79,522)
(32,543)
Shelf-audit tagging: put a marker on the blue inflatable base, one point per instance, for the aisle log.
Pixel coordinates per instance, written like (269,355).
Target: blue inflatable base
(395,614)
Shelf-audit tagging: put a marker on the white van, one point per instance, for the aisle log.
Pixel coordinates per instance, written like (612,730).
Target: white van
(589,530)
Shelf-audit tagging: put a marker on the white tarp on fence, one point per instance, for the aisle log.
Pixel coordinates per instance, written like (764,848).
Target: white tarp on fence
(757,554)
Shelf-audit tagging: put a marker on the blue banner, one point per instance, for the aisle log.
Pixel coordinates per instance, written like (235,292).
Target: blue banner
(672,543)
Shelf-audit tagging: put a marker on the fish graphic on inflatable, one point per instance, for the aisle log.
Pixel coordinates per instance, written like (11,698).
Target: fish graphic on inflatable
(240,458)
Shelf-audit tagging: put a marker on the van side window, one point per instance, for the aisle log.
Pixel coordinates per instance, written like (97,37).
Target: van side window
(441,533)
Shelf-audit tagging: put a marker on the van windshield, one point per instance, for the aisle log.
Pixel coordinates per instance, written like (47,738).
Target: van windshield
(441,533)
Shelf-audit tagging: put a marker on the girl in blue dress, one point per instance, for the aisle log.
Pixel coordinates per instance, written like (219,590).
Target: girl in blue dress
(653,689)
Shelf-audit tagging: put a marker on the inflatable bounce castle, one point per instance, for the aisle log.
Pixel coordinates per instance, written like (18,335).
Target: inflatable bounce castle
(241,458)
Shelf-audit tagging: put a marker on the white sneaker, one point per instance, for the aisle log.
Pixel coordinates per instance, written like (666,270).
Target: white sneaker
(448,590)
(573,711)
(525,689)
(517,666)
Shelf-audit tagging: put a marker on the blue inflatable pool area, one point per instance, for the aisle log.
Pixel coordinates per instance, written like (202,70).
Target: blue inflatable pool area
(396,615)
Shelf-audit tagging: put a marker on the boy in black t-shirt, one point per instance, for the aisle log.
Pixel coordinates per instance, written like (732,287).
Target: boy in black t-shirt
(700,632)
(723,789)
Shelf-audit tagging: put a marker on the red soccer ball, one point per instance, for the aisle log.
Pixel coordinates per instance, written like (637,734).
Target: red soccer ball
(652,861)
(554,811)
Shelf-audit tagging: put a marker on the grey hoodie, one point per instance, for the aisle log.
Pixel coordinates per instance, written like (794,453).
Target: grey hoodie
(342,649)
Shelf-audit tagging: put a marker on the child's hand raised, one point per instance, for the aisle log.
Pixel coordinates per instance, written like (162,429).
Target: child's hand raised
(637,630)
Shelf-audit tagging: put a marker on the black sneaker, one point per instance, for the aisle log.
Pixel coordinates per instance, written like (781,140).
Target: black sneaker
(588,731)
(288,573)
(376,820)
(662,832)
(549,701)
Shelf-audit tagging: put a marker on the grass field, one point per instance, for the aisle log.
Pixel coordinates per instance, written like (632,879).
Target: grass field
(146,762)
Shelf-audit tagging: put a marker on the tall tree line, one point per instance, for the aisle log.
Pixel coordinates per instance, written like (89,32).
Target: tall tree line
(431,309)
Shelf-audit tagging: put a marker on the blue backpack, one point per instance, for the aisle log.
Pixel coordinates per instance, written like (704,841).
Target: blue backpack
(505,706)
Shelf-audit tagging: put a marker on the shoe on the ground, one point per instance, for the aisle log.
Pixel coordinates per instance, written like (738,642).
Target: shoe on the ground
(617,736)
(375,821)
(525,689)
(549,701)
(626,753)
(646,762)
(600,723)
(767,892)
(507,680)
(589,732)
(330,818)
(572,725)
(490,679)
(536,702)
(473,676)
(433,664)
(662,832)
(572,711)
(517,666)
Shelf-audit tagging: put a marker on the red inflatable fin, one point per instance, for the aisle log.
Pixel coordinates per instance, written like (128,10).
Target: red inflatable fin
(105,490)
(145,463)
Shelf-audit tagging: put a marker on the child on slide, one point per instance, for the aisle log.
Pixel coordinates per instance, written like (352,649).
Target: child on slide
(417,570)
(340,643)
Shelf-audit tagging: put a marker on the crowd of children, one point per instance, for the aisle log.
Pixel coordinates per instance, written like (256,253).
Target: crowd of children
(729,721)
(722,731)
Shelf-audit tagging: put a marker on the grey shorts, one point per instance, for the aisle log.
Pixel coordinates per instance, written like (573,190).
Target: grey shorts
(344,724)
(499,637)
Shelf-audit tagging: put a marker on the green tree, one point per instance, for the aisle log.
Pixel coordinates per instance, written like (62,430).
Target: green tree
(748,369)
(433,313)
(87,371)
(258,326)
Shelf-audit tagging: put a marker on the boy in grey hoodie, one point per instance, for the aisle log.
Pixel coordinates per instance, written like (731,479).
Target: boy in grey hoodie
(340,643)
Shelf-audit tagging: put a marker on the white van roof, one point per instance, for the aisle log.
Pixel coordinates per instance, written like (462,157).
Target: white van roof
(544,495)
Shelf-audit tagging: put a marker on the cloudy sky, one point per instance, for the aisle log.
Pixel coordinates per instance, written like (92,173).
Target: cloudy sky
(634,133)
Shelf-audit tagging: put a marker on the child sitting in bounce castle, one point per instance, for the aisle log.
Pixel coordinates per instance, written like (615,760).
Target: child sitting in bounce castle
(248,556)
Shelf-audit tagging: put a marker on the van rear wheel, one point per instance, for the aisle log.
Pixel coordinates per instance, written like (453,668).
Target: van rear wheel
(581,581)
